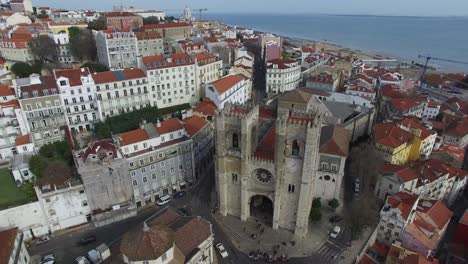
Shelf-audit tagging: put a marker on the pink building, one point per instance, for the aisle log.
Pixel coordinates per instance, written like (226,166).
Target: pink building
(272,51)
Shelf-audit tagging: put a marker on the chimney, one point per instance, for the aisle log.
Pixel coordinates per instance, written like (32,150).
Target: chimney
(142,124)
(158,123)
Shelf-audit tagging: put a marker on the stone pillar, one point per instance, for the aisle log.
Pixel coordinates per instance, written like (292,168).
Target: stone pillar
(279,164)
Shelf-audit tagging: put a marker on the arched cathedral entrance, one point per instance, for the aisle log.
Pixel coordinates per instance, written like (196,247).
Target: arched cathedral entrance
(261,209)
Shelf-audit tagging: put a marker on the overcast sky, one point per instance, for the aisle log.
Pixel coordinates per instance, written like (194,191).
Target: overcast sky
(371,7)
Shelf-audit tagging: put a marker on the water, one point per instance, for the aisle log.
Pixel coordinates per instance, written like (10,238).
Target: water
(401,37)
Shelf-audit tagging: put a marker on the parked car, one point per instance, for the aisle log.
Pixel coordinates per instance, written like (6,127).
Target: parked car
(178,195)
(87,240)
(81,260)
(334,233)
(183,211)
(163,200)
(222,251)
(48,259)
(42,240)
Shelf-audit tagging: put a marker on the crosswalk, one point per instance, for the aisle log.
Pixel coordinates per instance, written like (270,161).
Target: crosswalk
(329,253)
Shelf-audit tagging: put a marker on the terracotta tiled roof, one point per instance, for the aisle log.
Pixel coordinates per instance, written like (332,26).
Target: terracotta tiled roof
(73,75)
(407,174)
(191,235)
(391,91)
(11,103)
(169,125)
(119,14)
(22,140)
(362,89)
(160,62)
(436,211)
(7,240)
(206,107)
(413,123)
(102,146)
(402,201)
(401,255)
(334,140)
(147,243)
(458,153)
(457,128)
(226,83)
(133,136)
(296,95)
(391,135)
(194,124)
(47,83)
(403,104)
(266,148)
(166,25)
(118,75)
(281,63)
(147,35)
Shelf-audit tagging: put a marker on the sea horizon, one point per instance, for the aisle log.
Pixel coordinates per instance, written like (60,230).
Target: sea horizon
(399,37)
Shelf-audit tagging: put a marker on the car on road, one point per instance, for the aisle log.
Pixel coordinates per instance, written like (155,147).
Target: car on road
(222,251)
(178,195)
(183,211)
(81,260)
(163,200)
(87,240)
(335,232)
(48,259)
(42,240)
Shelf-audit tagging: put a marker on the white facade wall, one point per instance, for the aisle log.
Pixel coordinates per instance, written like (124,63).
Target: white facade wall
(9,130)
(63,42)
(29,218)
(64,207)
(206,253)
(117,50)
(168,256)
(174,85)
(81,108)
(238,93)
(207,73)
(150,47)
(15,19)
(282,80)
(430,112)
(370,96)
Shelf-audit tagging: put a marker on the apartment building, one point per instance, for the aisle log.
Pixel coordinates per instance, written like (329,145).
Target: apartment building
(117,49)
(201,133)
(175,31)
(16,49)
(78,97)
(149,43)
(13,247)
(122,91)
(63,43)
(42,109)
(123,20)
(229,89)
(173,77)
(282,75)
(209,69)
(393,143)
(160,159)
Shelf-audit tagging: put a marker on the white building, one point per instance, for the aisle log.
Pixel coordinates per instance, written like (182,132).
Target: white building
(230,34)
(282,75)
(116,49)
(362,91)
(63,42)
(208,69)
(173,77)
(431,110)
(21,6)
(8,19)
(78,95)
(122,91)
(20,162)
(229,89)
(149,43)
(395,215)
(161,15)
(63,200)
(13,248)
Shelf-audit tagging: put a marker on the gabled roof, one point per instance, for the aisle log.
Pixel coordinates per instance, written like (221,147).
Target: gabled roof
(118,75)
(296,95)
(133,136)
(166,25)
(169,125)
(194,124)
(206,107)
(391,135)
(436,211)
(455,151)
(334,140)
(403,104)
(7,240)
(224,84)
(73,75)
(174,60)
(402,201)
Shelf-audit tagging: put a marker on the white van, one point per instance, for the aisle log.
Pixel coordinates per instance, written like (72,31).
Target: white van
(163,200)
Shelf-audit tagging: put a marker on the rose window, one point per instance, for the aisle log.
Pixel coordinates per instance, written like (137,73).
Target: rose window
(263,176)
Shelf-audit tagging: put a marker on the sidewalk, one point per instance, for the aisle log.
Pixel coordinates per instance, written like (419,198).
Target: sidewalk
(349,255)
(240,234)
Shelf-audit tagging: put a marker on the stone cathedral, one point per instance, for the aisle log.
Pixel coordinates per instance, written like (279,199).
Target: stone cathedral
(272,161)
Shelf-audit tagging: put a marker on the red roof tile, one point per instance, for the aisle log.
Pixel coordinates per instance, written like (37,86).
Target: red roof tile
(169,125)
(166,25)
(133,136)
(114,76)
(403,103)
(160,62)
(194,124)
(7,240)
(73,75)
(206,107)
(12,103)
(391,135)
(458,153)
(22,140)
(334,140)
(226,83)
(403,201)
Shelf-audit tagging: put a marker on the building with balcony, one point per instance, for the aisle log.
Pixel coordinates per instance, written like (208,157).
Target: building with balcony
(41,108)
(149,43)
(160,159)
(173,79)
(122,91)
(282,75)
(208,69)
(78,97)
(63,44)
(229,89)
(117,49)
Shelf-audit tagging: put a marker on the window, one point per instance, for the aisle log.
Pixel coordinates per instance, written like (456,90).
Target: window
(235,140)
(295,148)
(172,170)
(334,168)
(85,203)
(324,166)
(291,188)
(133,173)
(390,186)
(143,170)
(145,179)
(164,257)
(234,177)
(81,191)
(153,176)
(135,183)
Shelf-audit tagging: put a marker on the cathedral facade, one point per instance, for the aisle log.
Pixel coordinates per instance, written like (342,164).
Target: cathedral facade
(271,163)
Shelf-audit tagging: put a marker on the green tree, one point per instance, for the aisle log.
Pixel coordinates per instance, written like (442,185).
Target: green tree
(28,189)
(95,66)
(151,20)
(37,165)
(82,45)
(98,24)
(316,203)
(44,48)
(43,14)
(21,69)
(334,203)
(315,215)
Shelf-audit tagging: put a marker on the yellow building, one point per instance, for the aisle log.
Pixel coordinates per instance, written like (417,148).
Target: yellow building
(393,143)
(57,28)
(423,138)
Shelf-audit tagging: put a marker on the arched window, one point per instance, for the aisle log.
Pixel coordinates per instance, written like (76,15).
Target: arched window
(235,140)
(295,148)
